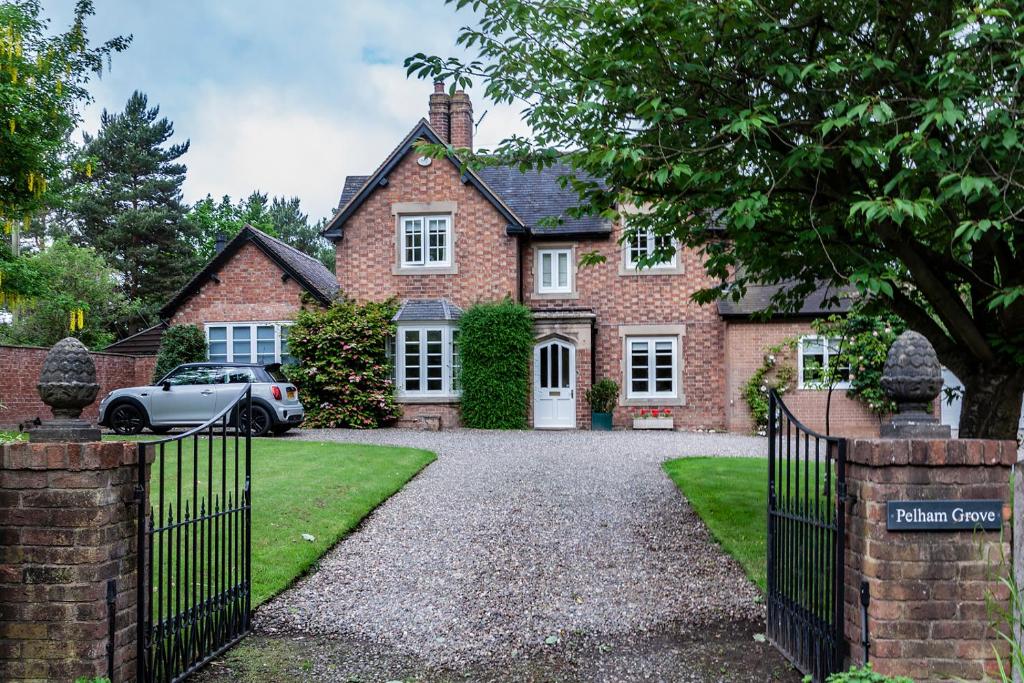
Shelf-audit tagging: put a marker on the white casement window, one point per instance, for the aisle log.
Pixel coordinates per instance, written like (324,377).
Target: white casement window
(652,367)
(427,361)
(426,241)
(554,271)
(263,342)
(642,244)
(816,355)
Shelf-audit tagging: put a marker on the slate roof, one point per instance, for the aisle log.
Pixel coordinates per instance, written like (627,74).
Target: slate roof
(352,185)
(144,343)
(537,194)
(427,309)
(758,298)
(303,268)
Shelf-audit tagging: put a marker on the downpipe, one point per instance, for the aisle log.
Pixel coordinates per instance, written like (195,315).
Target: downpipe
(865,600)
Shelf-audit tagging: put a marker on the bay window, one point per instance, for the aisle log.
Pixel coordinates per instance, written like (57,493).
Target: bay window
(427,361)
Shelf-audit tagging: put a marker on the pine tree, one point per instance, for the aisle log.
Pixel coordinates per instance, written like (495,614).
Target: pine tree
(130,209)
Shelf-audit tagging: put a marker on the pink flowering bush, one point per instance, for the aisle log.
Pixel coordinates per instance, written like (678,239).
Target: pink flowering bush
(343,370)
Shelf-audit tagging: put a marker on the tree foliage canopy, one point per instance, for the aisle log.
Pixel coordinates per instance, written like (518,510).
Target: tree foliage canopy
(129,207)
(179,344)
(875,145)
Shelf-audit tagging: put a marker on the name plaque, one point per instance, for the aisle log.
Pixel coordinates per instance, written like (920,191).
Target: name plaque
(944,515)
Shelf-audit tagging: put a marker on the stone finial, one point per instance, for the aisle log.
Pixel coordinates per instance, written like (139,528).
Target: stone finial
(912,377)
(67,384)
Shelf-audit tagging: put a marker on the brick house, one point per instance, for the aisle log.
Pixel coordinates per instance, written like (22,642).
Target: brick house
(440,239)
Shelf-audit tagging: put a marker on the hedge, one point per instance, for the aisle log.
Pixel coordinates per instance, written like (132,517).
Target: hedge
(180,344)
(495,343)
(343,371)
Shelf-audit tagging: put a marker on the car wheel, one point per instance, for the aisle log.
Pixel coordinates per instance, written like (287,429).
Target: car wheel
(260,422)
(127,419)
(281,429)
(160,430)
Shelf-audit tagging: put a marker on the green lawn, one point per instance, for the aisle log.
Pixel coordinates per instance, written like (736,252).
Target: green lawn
(298,487)
(731,496)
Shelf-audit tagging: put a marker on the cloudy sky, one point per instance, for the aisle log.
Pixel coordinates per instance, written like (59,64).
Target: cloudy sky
(283,96)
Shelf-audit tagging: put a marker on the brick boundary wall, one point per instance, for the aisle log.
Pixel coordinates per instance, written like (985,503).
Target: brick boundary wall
(932,593)
(19,373)
(67,527)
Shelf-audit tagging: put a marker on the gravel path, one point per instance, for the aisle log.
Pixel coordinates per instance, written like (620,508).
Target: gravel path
(512,545)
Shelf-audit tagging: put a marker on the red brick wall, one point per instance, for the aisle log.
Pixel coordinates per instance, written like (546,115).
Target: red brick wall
(655,299)
(19,373)
(250,288)
(744,349)
(484,254)
(67,527)
(933,594)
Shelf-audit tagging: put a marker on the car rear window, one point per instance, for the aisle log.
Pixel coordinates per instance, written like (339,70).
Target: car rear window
(276,374)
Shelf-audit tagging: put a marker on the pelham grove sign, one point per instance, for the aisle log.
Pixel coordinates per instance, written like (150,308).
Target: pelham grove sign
(944,515)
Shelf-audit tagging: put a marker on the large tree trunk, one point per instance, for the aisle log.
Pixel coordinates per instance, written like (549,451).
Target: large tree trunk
(991,403)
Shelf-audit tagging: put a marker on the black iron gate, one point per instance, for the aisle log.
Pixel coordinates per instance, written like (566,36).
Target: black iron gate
(194,540)
(806,500)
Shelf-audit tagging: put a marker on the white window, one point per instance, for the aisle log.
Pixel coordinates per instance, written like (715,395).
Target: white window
(426,241)
(643,244)
(263,342)
(554,271)
(427,361)
(816,356)
(652,367)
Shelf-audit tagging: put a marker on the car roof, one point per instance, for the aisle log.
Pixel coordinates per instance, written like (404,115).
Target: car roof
(213,364)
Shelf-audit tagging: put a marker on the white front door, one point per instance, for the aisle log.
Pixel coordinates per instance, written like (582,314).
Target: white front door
(554,385)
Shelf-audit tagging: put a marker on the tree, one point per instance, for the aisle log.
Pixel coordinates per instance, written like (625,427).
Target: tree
(280,217)
(851,142)
(43,82)
(129,207)
(180,344)
(75,294)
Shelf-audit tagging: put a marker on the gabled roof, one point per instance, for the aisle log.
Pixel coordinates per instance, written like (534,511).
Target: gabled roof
(758,298)
(144,343)
(422,131)
(301,267)
(427,310)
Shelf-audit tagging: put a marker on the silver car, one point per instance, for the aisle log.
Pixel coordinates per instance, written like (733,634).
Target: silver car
(191,394)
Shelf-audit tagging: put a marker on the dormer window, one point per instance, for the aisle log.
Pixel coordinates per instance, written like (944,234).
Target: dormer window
(426,241)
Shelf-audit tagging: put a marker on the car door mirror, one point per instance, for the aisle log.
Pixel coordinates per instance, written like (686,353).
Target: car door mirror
(166,385)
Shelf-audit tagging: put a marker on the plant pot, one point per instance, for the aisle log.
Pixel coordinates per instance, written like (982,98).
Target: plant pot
(601,422)
(653,423)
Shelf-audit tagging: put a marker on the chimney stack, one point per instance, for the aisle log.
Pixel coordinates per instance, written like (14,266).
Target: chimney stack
(439,106)
(220,243)
(461,120)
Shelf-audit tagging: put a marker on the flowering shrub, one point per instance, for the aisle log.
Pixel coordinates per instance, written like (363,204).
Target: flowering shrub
(865,345)
(775,373)
(343,370)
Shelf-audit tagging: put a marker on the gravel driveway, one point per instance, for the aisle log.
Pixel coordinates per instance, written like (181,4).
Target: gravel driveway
(529,556)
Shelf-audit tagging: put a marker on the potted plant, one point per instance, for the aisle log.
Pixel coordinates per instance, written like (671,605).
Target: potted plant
(654,419)
(602,398)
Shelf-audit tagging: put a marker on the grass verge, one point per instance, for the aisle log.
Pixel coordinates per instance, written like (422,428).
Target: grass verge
(298,487)
(731,496)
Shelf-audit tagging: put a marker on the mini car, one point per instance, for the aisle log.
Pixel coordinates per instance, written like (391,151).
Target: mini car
(193,393)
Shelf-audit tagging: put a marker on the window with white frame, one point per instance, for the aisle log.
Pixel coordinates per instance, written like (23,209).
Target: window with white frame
(652,367)
(426,241)
(816,357)
(427,361)
(262,342)
(643,244)
(554,271)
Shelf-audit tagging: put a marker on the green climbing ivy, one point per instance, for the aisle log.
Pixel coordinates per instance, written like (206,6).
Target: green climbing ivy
(775,373)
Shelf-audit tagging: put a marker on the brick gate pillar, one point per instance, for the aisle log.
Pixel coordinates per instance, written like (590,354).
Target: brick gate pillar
(932,593)
(67,530)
